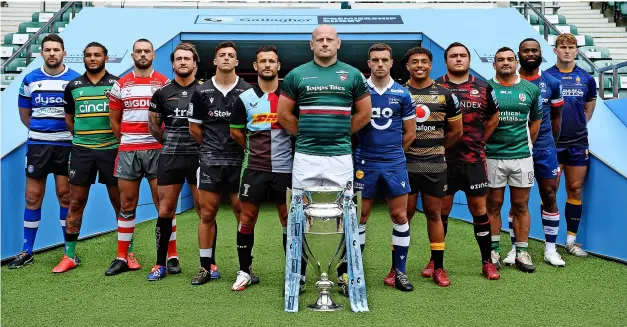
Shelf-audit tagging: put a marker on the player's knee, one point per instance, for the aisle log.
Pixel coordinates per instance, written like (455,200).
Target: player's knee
(247,218)
(127,203)
(77,204)
(64,197)
(519,208)
(574,191)
(399,217)
(493,205)
(364,216)
(550,196)
(166,211)
(33,197)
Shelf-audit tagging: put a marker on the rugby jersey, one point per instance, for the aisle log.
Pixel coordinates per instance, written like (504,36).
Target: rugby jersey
(132,95)
(42,93)
(551,91)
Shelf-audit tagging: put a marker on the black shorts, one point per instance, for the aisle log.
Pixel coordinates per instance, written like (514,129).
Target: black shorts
(468,177)
(85,163)
(433,184)
(44,159)
(255,185)
(219,178)
(176,168)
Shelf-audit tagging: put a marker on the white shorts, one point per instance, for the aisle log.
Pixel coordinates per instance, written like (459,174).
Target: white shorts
(512,172)
(309,170)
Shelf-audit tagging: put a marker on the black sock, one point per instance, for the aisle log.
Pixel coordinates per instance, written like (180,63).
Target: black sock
(482,235)
(445,223)
(163,231)
(213,246)
(343,267)
(438,259)
(245,242)
(393,260)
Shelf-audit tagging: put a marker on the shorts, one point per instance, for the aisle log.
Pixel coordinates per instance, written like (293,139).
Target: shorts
(85,163)
(471,178)
(44,159)
(545,165)
(392,182)
(331,171)
(133,165)
(174,169)
(432,184)
(218,178)
(512,172)
(255,184)
(573,156)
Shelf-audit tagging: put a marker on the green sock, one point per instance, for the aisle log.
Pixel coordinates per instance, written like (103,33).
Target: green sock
(70,244)
(130,247)
(496,246)
(520,247)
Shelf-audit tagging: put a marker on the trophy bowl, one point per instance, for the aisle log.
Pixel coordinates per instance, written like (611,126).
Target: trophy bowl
(323,240)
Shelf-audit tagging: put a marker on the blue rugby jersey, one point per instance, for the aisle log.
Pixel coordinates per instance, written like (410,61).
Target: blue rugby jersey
(551,90)
(578,87)
(380,143)
(42,93)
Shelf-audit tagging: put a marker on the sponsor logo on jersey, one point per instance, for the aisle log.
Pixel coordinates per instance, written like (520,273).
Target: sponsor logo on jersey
(359,174)
(392,101)
(329,87)
(219,113)
(381,113)
(86,107)
(474,92)
(270,117)
(478,186)
(572,92)
(180,112)
(310,77)
(397,91)
(136,103)
(46,100)
(422,113)
(522,97)
(470,104)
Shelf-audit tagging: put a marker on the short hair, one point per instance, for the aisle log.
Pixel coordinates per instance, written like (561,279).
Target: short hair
(226,44)
(143,40)
(53,38)
(565,38)
(455,44)
(380,47)
(96,44)
(415,51)
(185,46)
(266,48)
(505,49)
(529,39)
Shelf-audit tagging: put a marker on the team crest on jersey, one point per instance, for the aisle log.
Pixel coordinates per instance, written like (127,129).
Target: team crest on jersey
(343,77)
(72,173)
(530,176)
(474,92)
(31,169)
(578,80)
(422,113)
(522,97)
(359,174)
(107,93)
(542,85)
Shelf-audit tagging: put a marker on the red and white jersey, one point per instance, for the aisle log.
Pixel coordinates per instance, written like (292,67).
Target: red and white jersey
(132,94)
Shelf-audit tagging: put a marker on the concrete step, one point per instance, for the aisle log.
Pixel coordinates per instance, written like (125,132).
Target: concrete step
(583,15)
(588,30)
(622,57)
(607,35)
(611,42)
(573,4)
(618,51)
(577,11)
(576,21)
(593,24)
(610,45)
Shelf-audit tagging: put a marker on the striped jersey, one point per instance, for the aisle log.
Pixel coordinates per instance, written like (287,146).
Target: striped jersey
(42,94)
(268,144)
(551,91)
(325,97)
(89,104)
(435,106)
(132,95)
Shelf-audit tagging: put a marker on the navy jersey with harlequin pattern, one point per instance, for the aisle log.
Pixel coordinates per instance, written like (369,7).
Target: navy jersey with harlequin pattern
(380,143)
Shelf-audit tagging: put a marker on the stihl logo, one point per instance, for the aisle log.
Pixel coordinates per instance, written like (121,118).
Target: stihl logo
(265,118)
(137,103)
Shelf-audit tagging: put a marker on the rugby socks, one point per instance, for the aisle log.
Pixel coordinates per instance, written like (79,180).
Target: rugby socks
(126,228)
(512,236)
(70,244)
(303,262)
(551,223)
(362,236)
(245,242)
(62,216)
(400,244)
(172,252)
(215,240)
(32,218)
(573,216)
(163,232)
(482,235)
(206,258)
(496,243)
(445,223)
(437,254)
(521,246)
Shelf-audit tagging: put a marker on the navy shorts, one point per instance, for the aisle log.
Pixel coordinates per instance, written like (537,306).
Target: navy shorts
(545,165)
(573,156)
(392,182)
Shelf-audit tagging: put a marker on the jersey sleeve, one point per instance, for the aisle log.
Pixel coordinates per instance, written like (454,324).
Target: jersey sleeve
(591,95)
(289,87)
(453,112)
(115,97)
(408,111)
(239,116)
(556,94)
(197,109)
(68,101)
(156,105)
(360,87)
(493,104)
(24,97)
(536,104)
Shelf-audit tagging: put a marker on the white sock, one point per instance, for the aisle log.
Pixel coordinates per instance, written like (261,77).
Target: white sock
(571,238)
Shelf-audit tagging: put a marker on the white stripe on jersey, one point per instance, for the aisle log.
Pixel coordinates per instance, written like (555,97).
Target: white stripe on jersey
(47,85)
(57,136)
(325,108)
(48,112)
(137,139)
(135,115)
(137,91)
(409,117)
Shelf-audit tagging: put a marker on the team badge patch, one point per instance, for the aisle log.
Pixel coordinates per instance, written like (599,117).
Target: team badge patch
(30,168)
(343,77)
(530,176)
(359,174)
(522,97)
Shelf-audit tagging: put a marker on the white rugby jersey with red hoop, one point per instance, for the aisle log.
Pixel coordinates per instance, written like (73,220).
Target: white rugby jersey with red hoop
(132,94)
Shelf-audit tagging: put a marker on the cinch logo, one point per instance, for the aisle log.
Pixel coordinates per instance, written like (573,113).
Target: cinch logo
(218,113)
(88,108)
(265,118)
(48,100)
(137,103)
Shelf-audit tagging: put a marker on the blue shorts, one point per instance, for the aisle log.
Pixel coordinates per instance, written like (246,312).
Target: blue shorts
(545,164)
(393,182)
(573,156)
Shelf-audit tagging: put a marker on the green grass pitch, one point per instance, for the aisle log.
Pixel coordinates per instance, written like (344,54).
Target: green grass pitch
(587,292)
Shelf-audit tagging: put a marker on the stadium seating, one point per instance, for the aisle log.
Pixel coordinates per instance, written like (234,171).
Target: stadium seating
(595,53)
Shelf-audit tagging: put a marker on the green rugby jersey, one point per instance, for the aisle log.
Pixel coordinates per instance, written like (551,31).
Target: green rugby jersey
(89,104)
(519,103)
(324,97)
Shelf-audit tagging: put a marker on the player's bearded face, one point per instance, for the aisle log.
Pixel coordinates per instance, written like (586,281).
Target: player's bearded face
(419,66)
(94,60)
(380,63)
(267,65)
(184,64)
(143,55)
(457,61)
(226,60)
(52,53)
(530,55)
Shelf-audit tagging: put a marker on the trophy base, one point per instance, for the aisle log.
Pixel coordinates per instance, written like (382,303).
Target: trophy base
(325,303)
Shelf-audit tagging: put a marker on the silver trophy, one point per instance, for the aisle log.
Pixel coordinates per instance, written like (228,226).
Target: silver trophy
(323,239)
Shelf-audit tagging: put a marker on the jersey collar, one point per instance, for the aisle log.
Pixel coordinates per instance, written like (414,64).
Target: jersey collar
(59,74)
(532,78)
(380,92)
(518,79)
(224,92)
(135,76)
(471,78)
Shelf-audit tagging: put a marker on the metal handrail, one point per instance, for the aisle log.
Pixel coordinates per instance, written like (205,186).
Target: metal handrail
(546,31)
(614,69)
(27,44)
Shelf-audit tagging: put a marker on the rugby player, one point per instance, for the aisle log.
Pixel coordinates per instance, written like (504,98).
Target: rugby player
(179,156)
(220,156)
(439,127)
(139,151)
(509,154)
(579,90)
(94,146)
(466,160)
(546,168)
(40,102)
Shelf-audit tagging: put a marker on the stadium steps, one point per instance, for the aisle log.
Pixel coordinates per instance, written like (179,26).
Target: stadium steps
(19,12)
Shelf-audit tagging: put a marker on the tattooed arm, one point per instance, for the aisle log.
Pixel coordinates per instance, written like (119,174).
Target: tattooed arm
(155,123)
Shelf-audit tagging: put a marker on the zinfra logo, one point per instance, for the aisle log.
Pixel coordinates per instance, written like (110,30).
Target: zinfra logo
(48,100)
